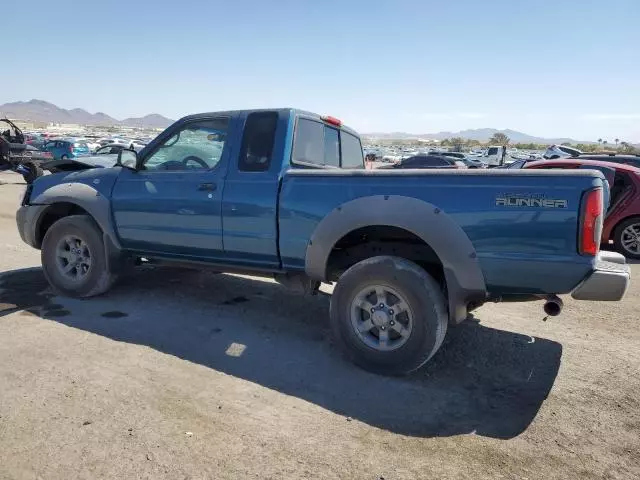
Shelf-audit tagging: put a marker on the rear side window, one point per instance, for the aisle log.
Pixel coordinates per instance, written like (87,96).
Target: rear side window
(322,145)
(351,151)
(309,144)
(257,142)
(493,151)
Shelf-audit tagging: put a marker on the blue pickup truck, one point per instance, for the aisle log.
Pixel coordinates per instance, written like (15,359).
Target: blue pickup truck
(284,193)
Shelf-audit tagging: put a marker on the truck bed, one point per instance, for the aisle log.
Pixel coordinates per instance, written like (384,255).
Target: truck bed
(506,239)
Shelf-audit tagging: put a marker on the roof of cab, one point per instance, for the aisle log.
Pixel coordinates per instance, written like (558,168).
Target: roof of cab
(286,110)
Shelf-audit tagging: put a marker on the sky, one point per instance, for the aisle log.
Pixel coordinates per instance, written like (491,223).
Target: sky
(551,68)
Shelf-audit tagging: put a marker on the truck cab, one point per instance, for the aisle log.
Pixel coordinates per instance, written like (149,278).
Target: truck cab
(495,155)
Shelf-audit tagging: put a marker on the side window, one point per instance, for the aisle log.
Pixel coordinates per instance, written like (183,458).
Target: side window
(196,146)
(412,161)
(492,151)
(351,151)
(331,147)
(517,164)
(257,142)
(438,162)
(309,144)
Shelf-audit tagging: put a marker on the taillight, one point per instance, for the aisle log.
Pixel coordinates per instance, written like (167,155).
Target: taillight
(591,222)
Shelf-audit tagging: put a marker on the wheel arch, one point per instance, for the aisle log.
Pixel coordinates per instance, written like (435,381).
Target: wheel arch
(72,198)
(462,272)
(614,229)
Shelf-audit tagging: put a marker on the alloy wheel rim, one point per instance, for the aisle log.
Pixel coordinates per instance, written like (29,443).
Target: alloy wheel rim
(630,238)
(73,258)
(381,318)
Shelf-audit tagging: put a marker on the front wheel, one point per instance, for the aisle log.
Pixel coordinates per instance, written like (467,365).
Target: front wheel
(388,315)
(73,258)
(627,238)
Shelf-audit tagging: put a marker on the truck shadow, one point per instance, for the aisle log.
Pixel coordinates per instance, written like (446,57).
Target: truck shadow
(483,380)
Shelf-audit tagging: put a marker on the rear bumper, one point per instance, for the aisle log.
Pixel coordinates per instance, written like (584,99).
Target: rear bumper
(608,281)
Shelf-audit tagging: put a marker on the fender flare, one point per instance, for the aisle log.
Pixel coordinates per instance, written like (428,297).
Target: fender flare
(85,197)
(465,281)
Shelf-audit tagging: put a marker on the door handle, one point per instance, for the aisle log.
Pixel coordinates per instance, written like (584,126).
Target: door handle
(207,187)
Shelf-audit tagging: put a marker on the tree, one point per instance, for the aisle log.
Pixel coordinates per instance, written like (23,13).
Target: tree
(617,140)
(499,138)
(457,143)
(627,147)
(599,140)
(604,142)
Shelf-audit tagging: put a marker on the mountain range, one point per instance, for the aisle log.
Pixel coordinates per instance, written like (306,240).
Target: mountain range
(41,111)
(480,134)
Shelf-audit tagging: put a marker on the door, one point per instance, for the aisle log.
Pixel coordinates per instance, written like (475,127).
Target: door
(251,192)
(171,206)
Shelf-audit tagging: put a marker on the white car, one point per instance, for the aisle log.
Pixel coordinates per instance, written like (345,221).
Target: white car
(137,145)
(561,151)
(113,141)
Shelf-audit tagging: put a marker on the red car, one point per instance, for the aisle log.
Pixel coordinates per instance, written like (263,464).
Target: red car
(622,221)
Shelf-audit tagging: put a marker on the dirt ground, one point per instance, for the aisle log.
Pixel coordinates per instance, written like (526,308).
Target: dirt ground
(186,375)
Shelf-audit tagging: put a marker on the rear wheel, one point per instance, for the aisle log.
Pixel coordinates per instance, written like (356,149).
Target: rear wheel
(73,258)
(388,315)
(627,238)
(64,157)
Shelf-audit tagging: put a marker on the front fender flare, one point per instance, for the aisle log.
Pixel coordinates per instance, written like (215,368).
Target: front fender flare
(85,197)
(465,281)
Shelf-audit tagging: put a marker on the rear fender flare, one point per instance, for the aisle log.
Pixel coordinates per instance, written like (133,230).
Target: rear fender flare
(465,281)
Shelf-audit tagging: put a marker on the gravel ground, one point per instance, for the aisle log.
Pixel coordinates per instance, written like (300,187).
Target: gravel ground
(186,375)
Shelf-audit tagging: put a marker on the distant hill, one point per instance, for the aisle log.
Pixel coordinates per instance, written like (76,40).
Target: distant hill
(480,134)
(41,111)
(152,120)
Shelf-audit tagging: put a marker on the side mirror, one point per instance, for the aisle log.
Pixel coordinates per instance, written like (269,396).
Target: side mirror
(127,159)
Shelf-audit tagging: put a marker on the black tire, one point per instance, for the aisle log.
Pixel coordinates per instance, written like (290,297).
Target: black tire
(64,157)
(422,293)
(98,278)
(34,172)
(617,237)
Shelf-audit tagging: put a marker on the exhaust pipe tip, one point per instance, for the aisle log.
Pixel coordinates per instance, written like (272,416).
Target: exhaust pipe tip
(553,305)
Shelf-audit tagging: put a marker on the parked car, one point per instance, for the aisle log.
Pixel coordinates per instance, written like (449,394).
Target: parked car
(137,145)
(562,151)
(113,141)
(66,148)
(622,221)
(470,162)
(426,161)
(285,193)
(518,163)
(612,157)
(110,149)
